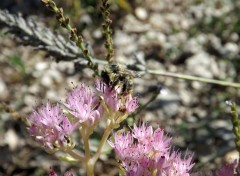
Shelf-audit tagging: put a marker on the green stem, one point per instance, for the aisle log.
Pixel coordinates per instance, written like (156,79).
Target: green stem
(72,153)
(107,30)
(90,169)
(86,131)
(85,136)
(236,125)
(75,155)
(103,141)
(64,21)
(194,78)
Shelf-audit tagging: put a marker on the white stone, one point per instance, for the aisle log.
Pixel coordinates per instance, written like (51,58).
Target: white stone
(141,13)
(11,139)
(46,81)
(202,65)
(232,48)
(41,66)
(30,100)
(97,33)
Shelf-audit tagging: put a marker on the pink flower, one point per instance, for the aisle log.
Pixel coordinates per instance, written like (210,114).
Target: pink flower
(161,142)
(68,173)
(131,104)
(53,173)
(114,100)
(228,170)
(83,105)
(225,171)
(110,95)
(181,167)
(49,125)
(145,152)
(142,133)
(121,147)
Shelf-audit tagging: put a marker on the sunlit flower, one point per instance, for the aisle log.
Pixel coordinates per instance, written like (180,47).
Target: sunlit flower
(147,152)
(180,167)
(122,144)
(53,173)
(114,100)
(49,125)
(84,105)
(110,95)
(228,170)
(131,104)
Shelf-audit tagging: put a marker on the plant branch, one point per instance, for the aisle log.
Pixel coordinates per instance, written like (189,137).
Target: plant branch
(103,141)
(78,39)
(106,30)
(194,78)
(75,155)
(236,124)
(33,34)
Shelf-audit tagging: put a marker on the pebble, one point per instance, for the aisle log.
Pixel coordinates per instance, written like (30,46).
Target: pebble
(232,48)
(141,13)
(41,66)
(202,64)
(12,139)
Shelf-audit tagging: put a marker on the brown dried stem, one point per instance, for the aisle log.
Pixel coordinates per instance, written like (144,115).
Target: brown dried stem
(106,30)
(78,39)
(236,125)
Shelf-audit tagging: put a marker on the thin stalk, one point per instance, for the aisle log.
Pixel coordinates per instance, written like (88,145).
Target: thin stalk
(194,78)
(65,23)
(103,141)
(90,169)
(236,125)
(85,136)
(107,30)
(72,153)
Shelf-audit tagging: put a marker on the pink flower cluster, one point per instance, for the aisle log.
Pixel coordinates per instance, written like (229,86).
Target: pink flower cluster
(53,173)
(232,169)
(114,101)
(49,125)
(84,105)
(147,152)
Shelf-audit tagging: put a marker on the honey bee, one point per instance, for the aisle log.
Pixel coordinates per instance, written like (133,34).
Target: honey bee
(116,75)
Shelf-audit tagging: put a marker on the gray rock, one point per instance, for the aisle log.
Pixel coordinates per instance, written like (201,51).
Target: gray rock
(202,64)
(141,13)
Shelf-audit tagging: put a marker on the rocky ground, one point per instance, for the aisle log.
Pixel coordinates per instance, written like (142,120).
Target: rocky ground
(193,37)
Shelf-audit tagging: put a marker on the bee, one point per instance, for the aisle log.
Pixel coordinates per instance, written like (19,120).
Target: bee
(116,75)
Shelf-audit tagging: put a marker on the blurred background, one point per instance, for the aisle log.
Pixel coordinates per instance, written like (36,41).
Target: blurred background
(194,37)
